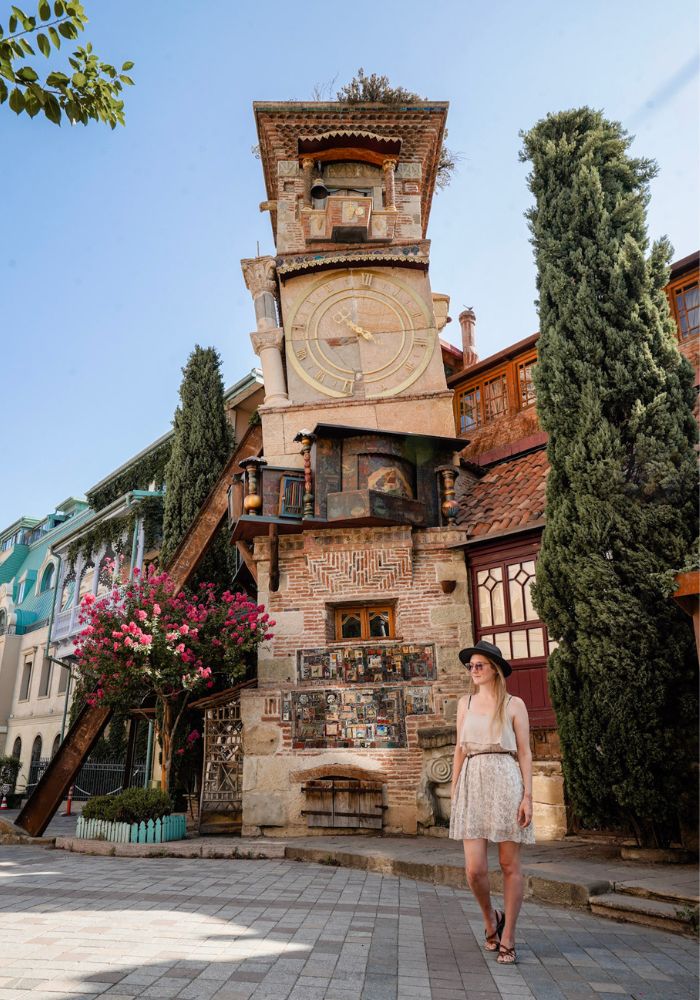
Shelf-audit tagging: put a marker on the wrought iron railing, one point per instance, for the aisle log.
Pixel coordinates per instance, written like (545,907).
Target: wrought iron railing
(94,778)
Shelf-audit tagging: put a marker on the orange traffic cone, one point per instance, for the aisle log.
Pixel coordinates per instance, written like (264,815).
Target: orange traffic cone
(3,804)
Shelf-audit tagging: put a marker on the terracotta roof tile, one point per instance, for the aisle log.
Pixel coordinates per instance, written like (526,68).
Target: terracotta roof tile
(510,495)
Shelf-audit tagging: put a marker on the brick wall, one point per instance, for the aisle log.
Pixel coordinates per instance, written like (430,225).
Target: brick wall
(319,571)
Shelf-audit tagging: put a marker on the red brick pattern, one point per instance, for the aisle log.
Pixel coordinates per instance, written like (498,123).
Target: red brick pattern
(319,569)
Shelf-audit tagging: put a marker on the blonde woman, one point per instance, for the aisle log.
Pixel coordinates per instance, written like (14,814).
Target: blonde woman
(492,790)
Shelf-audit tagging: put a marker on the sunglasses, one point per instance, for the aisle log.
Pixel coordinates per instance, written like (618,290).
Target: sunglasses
(476,666)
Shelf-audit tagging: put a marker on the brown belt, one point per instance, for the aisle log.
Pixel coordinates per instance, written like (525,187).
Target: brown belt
(483,753)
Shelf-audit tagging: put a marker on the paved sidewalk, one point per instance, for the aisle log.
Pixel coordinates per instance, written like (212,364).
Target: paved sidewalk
(565,872)
(85,927)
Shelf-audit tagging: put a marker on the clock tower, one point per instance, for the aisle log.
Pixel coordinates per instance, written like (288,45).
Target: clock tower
(352,337)
(346,520)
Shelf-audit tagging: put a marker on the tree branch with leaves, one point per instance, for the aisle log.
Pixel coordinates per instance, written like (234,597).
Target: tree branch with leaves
(91,92)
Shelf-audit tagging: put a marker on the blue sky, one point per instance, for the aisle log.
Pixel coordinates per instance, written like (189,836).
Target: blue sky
(121,249)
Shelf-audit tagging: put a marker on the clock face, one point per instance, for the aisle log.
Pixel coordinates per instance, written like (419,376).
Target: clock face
(359,334)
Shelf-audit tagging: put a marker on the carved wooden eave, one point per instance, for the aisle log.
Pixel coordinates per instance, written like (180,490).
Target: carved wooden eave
(350,143)
(414,255)
(420,126)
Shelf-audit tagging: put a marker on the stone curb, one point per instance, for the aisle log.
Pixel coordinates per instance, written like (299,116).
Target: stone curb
(546,890)
(242,850)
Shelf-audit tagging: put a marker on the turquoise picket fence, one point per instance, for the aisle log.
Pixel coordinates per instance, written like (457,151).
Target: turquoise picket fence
(157,831)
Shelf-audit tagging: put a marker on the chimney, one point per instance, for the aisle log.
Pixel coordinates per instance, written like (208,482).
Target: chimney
(467,321)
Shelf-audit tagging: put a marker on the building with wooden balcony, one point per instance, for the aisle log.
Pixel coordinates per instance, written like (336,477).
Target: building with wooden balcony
(502,495)
(33,684)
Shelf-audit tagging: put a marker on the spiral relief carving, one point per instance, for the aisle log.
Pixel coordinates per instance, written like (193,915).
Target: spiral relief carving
(439,769)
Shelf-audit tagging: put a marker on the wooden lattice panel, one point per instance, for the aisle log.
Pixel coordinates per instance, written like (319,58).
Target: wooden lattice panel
(222,797)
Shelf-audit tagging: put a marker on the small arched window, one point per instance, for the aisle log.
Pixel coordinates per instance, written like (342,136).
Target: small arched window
(68,590)
(86,578)
(17,748)
(47,578)
(36,749)
(56,744)
(106,570)
(3,622)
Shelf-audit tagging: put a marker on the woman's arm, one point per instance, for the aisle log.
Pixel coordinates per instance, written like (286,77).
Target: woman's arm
(521,725)
(458,759)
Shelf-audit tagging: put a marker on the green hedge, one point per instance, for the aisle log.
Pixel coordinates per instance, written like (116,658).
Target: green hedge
(131,806)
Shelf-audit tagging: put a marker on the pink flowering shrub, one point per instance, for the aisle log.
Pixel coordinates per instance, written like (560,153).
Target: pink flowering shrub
(146,639)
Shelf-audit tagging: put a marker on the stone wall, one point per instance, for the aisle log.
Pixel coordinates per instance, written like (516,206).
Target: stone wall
(438,745)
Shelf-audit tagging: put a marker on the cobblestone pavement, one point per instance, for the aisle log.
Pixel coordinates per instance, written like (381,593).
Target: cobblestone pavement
(81,927)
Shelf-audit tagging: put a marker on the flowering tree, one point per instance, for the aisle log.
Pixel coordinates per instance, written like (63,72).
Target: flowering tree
(147,639)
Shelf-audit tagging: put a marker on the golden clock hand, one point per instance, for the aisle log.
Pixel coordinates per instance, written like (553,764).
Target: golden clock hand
(362,332)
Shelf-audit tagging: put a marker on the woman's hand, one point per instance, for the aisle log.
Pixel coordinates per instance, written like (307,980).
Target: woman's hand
(525,811)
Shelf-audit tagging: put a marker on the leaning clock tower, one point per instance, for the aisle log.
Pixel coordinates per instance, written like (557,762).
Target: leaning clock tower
(346,519)
(352,337)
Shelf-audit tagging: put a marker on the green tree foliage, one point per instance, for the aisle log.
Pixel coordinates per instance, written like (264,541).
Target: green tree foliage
(92,89)
(615,397)
(376,89)
(200,449)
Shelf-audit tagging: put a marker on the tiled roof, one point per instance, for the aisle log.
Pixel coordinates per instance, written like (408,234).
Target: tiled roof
(510,495)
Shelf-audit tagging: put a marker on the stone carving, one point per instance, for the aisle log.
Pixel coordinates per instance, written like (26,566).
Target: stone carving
(433,796)
(259,274)
(287,168)
(411,169)
(439,769)
(351,170)
(262,339)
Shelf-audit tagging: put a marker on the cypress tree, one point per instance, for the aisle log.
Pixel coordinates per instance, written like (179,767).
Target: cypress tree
(201,446)
(615,397)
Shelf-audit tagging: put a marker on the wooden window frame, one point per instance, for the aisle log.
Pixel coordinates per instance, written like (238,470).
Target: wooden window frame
(502,556)
(511,371)
(682,284)
(364,611)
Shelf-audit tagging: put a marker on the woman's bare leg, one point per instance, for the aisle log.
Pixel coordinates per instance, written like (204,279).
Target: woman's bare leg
(477,866)
(509,859)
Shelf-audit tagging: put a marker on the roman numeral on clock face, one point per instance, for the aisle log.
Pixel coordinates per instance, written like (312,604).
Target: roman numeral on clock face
(300,353)
(319,375)
(367,279)
(409,365)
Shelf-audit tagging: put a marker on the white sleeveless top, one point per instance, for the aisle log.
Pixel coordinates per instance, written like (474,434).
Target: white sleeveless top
(480,733)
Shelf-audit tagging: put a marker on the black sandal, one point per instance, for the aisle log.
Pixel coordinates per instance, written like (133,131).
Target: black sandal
(507,956)
(495,937)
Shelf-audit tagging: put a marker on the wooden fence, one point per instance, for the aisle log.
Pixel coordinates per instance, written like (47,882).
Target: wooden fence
(157,831)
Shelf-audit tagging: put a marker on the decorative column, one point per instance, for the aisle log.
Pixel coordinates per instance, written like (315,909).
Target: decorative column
(307,166)
(448,502)
(267,344)
(306,439)
(235,499)
(252,501)
(389,166)
(261,279)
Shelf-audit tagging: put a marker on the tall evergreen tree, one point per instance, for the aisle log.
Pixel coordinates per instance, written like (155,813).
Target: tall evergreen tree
(201,446)
(615,397)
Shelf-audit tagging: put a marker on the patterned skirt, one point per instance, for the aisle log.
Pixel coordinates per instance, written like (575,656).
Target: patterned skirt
(485,806)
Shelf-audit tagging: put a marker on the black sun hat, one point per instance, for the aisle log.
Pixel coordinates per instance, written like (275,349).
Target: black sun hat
(489,650)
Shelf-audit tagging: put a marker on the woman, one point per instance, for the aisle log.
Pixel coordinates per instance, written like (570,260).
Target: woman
(492,790)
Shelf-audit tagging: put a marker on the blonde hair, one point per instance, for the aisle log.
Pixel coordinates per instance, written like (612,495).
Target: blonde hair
(501,691)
